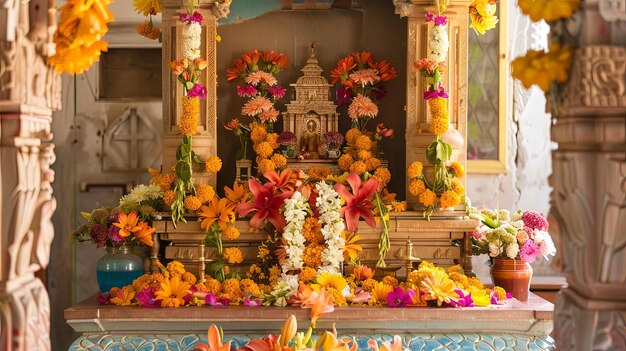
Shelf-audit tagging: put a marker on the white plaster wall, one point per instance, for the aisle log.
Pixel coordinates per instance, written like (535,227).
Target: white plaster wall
(525,184)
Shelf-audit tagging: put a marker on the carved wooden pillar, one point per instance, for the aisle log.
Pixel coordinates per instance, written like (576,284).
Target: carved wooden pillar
(455,81)
(589,197)
(29,90)
(205,142)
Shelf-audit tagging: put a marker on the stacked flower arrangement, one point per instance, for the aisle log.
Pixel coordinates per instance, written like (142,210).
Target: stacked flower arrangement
(289,143)
(442,189)
(148,8)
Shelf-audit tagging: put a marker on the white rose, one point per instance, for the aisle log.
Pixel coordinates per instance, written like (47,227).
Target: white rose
(495,249)
(547,247)
(512,250)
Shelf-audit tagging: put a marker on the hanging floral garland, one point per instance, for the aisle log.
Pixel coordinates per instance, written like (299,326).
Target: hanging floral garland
(296,210)
(329,207)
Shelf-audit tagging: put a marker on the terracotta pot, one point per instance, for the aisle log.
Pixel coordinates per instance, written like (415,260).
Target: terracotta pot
(512,275)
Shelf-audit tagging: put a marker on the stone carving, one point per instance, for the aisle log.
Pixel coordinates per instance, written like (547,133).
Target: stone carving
(414,342)
(612,10)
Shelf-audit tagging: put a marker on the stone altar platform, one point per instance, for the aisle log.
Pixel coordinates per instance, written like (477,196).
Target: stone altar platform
(511,326)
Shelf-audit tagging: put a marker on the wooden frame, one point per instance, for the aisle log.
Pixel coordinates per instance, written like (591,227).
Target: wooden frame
(498,165)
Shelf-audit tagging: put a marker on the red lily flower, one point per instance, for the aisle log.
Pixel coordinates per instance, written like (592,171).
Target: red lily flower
(359,201)
(267,205)
(283,181)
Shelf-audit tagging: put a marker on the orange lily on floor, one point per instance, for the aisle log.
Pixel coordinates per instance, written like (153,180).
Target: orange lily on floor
(214,341)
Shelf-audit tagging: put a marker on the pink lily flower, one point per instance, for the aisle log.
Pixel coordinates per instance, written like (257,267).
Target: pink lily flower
(359,201)
(266,203)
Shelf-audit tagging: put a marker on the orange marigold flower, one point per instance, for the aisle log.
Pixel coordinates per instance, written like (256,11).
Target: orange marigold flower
(312,231)
(231,233)
(363,142)
(213,286)
(250,287)
(383,175)
(213,164)
(457,169)
(233,255)
(189,116)
(169,197)
(389,280)
(312,256)
(359,167)
(258,134)
(345,161)
(364,155)
(368,284)
(205,192)
(263,149)
(449,199)
(175,268)
(149,31)
(232,291)
(166,181)
(279,160)
(428,198)
(265,165)
(192,203)
(416,187)
(439,119)
(372,163)
(398,206)
(351,136)
(272,139)
(415,170)
(307,274)
(189,278)
(457,186)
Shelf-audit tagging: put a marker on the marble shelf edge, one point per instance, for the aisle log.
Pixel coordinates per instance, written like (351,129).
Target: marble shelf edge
(532,319)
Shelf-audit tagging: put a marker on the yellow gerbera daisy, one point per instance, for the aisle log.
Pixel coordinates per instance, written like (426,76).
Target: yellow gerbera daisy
(172,292)
(437,286)
(331,280)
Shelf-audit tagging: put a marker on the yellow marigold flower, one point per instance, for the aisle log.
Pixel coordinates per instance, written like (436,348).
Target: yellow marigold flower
(169,197)
(457,187)
(398,206)
(312,231)
(368,284)
(428,198)
(449,199)
(189,278)
(416,187)
(258,134)
(338,298)
(363,143)
(233,255)
(279,160)
(345,161)
(232,291)
(146,7)
(231,232)
(213,164)
(389,280)
(307,274)
(318,173)
(358,167)
(501,293)
(213,286)
(189,116)
(312,255)
(474,282)
(263,149)
(460,280)
(250,287)
(372,163)
(175,268)
(351,136)
(538,67)
(364,155)
(457,169)
(415,170)
(263,253)
(383,175)
(166,181)
(205,193)
(272,139)
(482,13)
(192,203)
(439,119)
(548,10)
(266,165)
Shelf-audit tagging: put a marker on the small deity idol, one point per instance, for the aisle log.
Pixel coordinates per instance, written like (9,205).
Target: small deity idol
(310,140)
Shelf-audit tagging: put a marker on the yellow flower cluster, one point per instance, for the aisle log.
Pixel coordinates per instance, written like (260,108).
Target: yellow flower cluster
(250,287)
(264,144)
(360,154)
(213,164)
(541,68)
(415,170)
(483,15)
(175,268)
(232,291)
(233,255)
(359,167)
(166,181)
(457,169)
(449,199)
(383,175)
(318,173)
(345,161)
(428,198)
(77,39)
(439,118)
(548,10)
(190,113)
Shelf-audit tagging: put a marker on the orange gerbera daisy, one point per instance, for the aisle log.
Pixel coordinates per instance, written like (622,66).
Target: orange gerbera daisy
(351,249)
(144,235)
(340,73)
(237,194)
(363,58)
(127,223)
(173,292)
(220,211)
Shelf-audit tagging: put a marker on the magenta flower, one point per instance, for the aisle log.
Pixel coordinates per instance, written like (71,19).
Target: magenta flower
(146,298)
(463,300)
(398,298)
(277,92)
(212,300)
(433,94)
(441,20)
(187,18)
(251,302)
(197,91)
(246,90)
(534,220)
(114,235)
(99,234)
(104,299)
(429,16)
(529,251)
(343,95)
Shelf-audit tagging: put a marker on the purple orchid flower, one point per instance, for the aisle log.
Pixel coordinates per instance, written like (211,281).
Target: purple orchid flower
(246,90)
(441,20)
(251,302)
(195,17)
(277,92)
(212,300)
(433,94)
(398,298)
(429,16)
(104,299)
(146,298)
(463,300)
(493,298)
(197,91)
(343,95)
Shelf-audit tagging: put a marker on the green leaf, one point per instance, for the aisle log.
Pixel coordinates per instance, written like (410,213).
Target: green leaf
(187,140)
(431,153)
(196,158)
(183,171)
(214,266)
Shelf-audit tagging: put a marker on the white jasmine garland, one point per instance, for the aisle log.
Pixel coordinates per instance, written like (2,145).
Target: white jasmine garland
(438,44)
(296,210)
(329,207)
(192,39)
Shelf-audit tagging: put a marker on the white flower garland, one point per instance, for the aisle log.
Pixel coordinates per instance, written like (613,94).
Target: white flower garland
(438,43)
(296,210)
(192,39)
(329,207)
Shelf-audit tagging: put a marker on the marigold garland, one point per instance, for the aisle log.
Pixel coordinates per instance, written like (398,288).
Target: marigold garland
(449,199)
(439,119)
(190,113)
